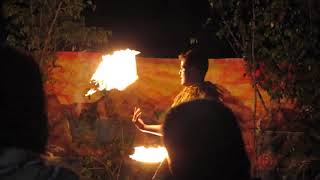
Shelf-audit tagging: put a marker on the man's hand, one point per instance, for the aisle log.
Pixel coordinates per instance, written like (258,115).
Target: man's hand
(139,123)
(136,119)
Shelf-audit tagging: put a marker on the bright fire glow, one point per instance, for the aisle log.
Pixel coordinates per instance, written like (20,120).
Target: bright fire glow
(149,155)
(116,71)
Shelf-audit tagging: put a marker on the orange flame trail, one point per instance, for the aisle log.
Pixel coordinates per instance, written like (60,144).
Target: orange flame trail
(149,155)
(116,71)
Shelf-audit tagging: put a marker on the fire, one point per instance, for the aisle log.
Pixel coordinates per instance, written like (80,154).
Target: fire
(149,155)
(116,71)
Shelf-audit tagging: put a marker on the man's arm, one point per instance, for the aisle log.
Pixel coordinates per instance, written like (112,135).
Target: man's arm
(153,129)
(139,123)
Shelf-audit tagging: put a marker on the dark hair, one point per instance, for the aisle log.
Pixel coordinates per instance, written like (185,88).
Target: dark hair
(196,57)
(203,139)
(24,119)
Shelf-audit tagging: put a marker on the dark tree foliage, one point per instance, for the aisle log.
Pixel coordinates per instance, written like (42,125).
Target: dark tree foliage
(279,40)
(46,26)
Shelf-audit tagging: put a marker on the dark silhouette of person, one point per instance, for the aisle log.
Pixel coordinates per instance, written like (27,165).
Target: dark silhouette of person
(204,142)
(24,123)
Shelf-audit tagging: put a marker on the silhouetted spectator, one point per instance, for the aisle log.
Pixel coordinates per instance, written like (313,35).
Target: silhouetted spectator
(204,142)
(24,123)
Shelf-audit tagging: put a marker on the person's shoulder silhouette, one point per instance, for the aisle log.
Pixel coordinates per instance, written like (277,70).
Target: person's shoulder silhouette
(24,123)
(204,141)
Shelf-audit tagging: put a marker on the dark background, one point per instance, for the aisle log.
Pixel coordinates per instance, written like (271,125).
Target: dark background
(157,28)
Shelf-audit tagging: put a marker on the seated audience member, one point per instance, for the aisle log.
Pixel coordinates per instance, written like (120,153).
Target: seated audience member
(204,142)
(24,126)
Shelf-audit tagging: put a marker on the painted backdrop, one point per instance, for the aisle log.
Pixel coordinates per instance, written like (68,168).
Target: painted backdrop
(153,92)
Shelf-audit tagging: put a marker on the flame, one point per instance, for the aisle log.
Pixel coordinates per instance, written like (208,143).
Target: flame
(149,155)
(116,71)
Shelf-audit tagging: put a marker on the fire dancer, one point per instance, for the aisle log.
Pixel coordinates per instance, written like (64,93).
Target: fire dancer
(215,151)
(193,69)
(24,126)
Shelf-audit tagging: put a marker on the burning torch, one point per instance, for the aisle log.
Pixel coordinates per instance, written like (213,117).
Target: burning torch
(116,71)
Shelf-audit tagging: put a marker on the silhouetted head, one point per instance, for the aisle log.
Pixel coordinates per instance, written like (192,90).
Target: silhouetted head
(23,117)
(204,141)
(193,66)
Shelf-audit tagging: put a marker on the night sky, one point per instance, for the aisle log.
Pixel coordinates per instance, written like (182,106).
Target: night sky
(157,28)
